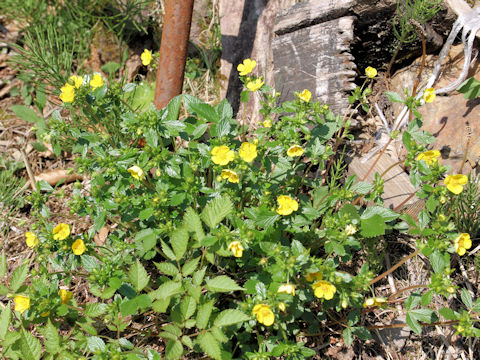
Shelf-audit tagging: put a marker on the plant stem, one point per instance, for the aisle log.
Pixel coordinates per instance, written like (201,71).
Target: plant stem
(396,266)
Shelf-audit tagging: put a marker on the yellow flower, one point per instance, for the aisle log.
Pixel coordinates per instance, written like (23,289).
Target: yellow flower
(255,85)
(287,289)
(236,248)
(31,239)
(455,183)
(323,289)
(246,67)
(264,314)
(77,81)
(136,172)
(295,150)
(68,93)
(371,72)
(146,57)
(78,247)
(281,307)
(61,231)
(248,152)
(305,95)
(22,303)
(96,82)
(65,295)
(45,313)
(230,175)
(429,95)
(430,156)
(313,276)
(350,229)
(462,243)
(286,205)
(375,301)
(267,123)
(222,155)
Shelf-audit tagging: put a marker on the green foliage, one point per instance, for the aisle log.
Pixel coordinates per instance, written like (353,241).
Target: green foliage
(470,88)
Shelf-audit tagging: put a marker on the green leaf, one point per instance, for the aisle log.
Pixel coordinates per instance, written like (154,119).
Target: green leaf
(222,283)
(111,67)
(128,307)
(394,97)
(192,222)
(386,214)
(5,319)
(197,278)
(95,343)
(167,251)
(179,242)
(204,111)
(216,210)
(138,276)
(424,315)
(219,335)
(51,338)
(439,261)
(373,226)
(147,238)
(362,333)
(3,265)
(25,113)
(95,309)
(448,313)
(173,350)
(427,298)
(187,307)
(347,336)
(413,323)
(167,268)
(166,290)
(466,298)
(266,218)
(18,277)
(209,345)
(203,314)
(187,341)
(190,266)
(362,188)
(230,317)
(470,88)
(29,346)
(173,108)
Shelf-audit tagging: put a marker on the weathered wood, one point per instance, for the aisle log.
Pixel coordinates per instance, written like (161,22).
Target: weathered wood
(397,185)
(317,58)
(309,13)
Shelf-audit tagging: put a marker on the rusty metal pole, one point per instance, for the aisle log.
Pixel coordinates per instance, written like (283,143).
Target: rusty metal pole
(173,51)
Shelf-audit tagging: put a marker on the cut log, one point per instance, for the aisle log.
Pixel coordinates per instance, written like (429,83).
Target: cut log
(309,13)
(317,58)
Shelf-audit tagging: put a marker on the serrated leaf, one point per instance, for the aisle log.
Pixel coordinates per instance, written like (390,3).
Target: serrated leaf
(197,278)
(386,214)
(466,298)
(179,242)
(448,313)
(89,329)
(203,314)
(95,343)
(362,187)
(5,319)
(218,334)
(394,97)
(167,251)
(413,324)
(51,338)
(128,307)
(189,267)
(187,307)
(166,290)
(147,238)
(209,345)
(216,210)
(347,336)
(222,283)
(424,315)
(470,88)
(3,265)
(173,108)
(174,349)
(138,276)
(95,309)
(25,113)
(167,268)
(230,317)
(18,277)
(29,346)
(204,111)
(187,341)
(192,222)
(439,261)
(373,226)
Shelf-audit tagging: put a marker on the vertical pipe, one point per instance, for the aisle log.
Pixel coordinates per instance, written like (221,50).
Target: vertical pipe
(173,51)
